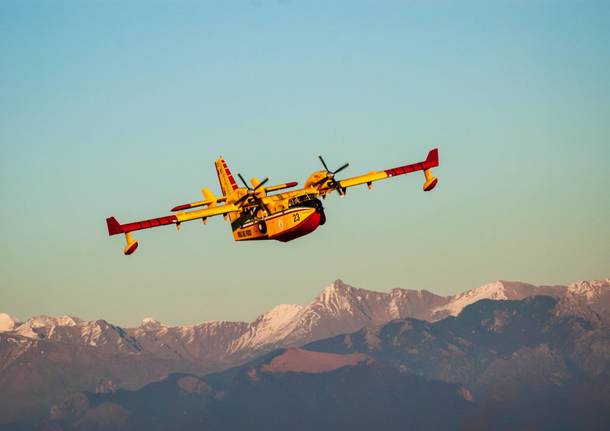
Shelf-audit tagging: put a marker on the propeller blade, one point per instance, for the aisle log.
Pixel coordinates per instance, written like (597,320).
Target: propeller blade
(262,183)
(243,181)
(323,163)
(341,168)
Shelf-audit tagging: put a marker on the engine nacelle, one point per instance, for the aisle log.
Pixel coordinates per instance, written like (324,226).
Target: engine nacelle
(315,178)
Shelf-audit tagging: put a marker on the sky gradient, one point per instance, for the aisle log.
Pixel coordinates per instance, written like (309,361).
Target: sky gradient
(116,108)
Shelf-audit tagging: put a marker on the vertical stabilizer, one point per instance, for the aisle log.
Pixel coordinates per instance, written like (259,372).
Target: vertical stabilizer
(227,182)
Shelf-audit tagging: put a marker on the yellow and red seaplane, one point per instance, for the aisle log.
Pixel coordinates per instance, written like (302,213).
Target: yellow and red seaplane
(255,214)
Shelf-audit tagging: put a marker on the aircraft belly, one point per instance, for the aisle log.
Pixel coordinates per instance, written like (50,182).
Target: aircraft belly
(295,223)
(284,226)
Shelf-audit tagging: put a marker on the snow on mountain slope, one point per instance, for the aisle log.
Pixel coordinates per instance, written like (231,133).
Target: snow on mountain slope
(204,342)
(149,322)
(68,329)
(7,323)
(341,308)
(596,294)
(217,341)
(338,309)
(34,326)
(87,355)
(498,290)
(590,290)
(414,303)
(269,329)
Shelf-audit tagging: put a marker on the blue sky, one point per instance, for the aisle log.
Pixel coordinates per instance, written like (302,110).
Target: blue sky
(111,108)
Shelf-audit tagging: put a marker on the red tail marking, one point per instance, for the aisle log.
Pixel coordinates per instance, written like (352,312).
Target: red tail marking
(114,227)
(228,174)
(231,179)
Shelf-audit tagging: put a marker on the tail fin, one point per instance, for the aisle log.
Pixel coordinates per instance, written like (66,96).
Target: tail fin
(114,227)
(432,159)
(227,182)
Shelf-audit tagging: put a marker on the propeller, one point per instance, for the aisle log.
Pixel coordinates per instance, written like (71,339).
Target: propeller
(330,177)
(252,193)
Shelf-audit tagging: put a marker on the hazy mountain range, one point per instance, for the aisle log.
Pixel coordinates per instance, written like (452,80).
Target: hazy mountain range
(46,360)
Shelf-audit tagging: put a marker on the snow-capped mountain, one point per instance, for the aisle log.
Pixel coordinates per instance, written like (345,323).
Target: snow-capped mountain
(499,290)
(541,367)
(595,294)
(269,329)
(68,329)
(341,308)
(88,355)
(7,323)
(591,291)
(338,309)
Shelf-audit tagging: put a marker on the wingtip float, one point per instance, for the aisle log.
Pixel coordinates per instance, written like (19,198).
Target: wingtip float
(257,215)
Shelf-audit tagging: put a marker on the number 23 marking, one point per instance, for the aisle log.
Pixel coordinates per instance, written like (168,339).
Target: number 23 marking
(296,217)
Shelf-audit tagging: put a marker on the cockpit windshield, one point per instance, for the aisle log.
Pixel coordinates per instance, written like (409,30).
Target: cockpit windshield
(299,200)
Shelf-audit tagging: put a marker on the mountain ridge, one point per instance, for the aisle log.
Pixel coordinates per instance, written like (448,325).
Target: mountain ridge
(500,364)
(340,296)
(102,356)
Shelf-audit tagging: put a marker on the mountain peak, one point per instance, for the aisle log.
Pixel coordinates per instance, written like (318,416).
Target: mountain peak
(338,285)
(594,293)
(43,320)
(7,323)
(149,322)
(497,290)
(282,312)
(335,289)
(590,289)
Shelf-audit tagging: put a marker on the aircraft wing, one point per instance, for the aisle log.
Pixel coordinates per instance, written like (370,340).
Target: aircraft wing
(115,228)
(430,162)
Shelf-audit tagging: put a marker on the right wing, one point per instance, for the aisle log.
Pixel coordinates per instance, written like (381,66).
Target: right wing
(425,166)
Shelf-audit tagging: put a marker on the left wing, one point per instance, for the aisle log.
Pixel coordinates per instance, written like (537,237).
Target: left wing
(115,228)
(430,162)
